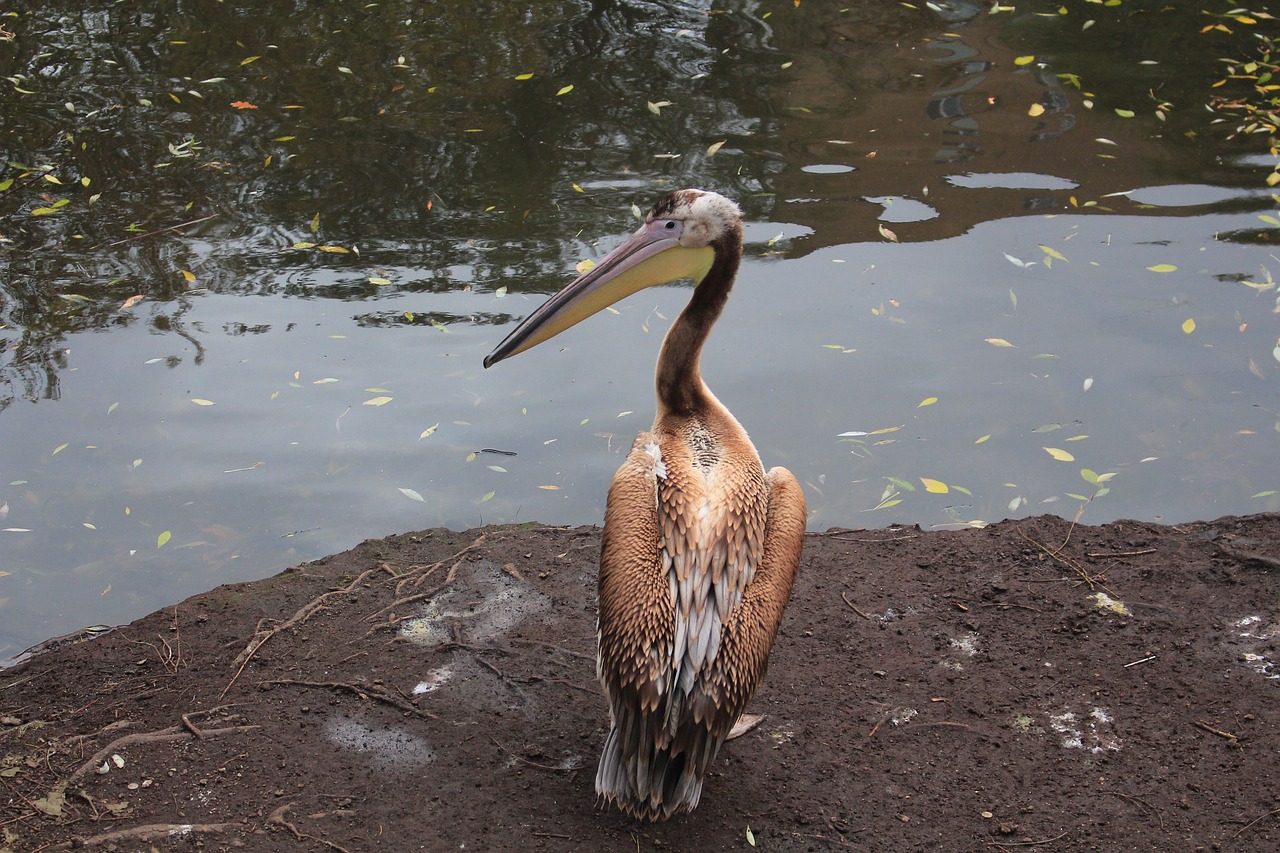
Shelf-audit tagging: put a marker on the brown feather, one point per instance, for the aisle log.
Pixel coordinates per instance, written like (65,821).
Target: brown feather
(699,552)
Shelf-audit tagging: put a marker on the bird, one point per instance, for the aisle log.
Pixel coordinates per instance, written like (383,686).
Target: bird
(700,544)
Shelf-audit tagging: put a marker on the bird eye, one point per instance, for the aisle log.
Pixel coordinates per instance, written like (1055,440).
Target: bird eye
(670,225)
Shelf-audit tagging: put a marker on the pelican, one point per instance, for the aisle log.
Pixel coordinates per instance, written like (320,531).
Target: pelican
(700,544)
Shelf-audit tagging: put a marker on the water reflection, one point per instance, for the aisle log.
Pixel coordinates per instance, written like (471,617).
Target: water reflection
(325,206)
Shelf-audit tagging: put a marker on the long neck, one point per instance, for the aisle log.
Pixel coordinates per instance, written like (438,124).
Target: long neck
(679,378)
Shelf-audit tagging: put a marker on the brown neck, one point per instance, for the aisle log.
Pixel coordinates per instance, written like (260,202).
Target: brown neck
(679,379)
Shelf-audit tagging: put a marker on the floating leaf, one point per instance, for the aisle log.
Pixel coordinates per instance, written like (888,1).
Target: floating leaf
(378,280)
(163,538)
(199,401)
(428,431)
(487,497)
(550,488)
(998,342)
(585,265)
(244,105)
(565,90)
(927,401)
(412,495)
(378,401)
(936,486)
(59,449)
(328,380)
(528,75)
(1124,113)
(887,234)
(1059,454)
(500,292)
(714,147)
(1188,325)
(1036,109)
(1162,268)
(1088,383)
(130,302)
(249,59)
(982,439)
(112,407)
(1053,253)
(188,275)
(1024,60)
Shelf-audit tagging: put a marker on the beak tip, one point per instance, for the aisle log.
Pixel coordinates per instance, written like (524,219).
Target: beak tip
(490,360)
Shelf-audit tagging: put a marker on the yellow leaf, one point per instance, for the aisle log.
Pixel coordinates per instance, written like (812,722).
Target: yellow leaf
(1188,325)
(428,431)
(337,250)
(585,265)
(714,147)
(982,439)
(565,90)
(1059,454)
(887,234)
(188,275)
(1162,268)
(378,401)
(1124,113)
(927,401)
(163,538)
(1053,253)
(1036,110)
(378,280)
(550,488)
(578,188)
(1024,60)
(525,76)
(936,486)
(200,402)
(998,342)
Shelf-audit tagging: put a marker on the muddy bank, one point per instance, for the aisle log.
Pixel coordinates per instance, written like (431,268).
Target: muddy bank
(1088,688)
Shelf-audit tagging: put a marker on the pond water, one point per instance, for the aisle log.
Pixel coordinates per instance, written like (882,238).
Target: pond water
(973,289)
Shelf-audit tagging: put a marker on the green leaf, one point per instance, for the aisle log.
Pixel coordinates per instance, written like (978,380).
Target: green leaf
(378,401)
(1059,454)
(163,538)
(927,401)
(1162,268)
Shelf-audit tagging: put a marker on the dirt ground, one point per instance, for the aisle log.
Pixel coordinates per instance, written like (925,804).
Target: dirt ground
(1025,686)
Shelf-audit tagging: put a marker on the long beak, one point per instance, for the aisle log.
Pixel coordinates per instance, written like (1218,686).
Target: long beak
(647,258)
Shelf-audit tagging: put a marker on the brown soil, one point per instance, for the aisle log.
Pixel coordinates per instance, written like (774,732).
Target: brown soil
(929,691)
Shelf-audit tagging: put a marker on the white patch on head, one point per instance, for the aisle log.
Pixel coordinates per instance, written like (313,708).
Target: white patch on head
(706,216)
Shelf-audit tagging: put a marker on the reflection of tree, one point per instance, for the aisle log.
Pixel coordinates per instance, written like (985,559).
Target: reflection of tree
(410,136)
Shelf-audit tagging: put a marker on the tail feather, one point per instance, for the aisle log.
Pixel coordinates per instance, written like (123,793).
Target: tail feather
(654,783)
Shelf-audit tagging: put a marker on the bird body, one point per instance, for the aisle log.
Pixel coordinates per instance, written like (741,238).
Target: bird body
(700,544)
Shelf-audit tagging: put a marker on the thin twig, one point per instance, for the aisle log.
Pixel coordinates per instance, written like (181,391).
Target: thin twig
(855,609)
(277,818)
(162,230)
(1211,730)
(1106,554)
(162,736)
(149,832)
(1255,820)
(303,613)
(364,691)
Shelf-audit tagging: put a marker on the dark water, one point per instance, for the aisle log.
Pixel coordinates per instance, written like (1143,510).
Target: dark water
(374,194)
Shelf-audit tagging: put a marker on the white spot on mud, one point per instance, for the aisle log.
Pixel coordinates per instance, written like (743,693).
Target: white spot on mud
(1094,732)
(1258,639)
(484,600)
(1106,602)
(388,748)
(435,679)
(902,715)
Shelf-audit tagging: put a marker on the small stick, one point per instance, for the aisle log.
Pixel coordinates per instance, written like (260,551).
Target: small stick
(191,727)
(1028,843)
(1255,820)
(1140,660)
(524,760)
(260,637)
(364,691)
(162,230)
(1121,553)
(1211,730)
(149,832)
(855,609)
(562,649)
(277,817)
